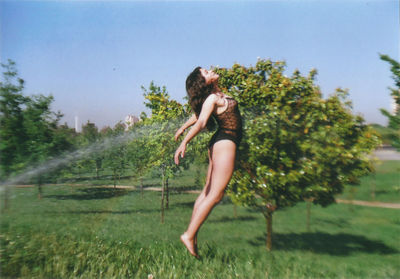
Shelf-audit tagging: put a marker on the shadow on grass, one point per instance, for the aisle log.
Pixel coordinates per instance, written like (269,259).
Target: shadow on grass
(232,219)
(189,204)
(225,201)
(379,192)
(340,244)
(92,177)
(180,189)
(111,211)
(339,223)
(92,193)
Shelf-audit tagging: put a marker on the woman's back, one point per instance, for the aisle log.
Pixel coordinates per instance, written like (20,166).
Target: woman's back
(229,119)
(229,123)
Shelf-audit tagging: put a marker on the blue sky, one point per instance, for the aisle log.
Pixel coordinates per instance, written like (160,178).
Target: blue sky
(93,57)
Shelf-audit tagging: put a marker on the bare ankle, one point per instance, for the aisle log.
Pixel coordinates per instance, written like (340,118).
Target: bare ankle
(190,246)
(187,236)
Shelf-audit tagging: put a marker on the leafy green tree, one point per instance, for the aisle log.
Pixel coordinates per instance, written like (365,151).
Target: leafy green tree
(115,157)
(296,145)
(40,125)
(65,141)
(394,119)
(138,151)
(164,113)
(90,135)
(28,128)
(12,132)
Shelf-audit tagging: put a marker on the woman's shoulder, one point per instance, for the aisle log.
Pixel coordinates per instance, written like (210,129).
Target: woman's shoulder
(211,100)
(213,97)
(218,98)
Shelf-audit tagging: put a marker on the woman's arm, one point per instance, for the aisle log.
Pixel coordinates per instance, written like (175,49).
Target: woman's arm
(206,111)
(187,124)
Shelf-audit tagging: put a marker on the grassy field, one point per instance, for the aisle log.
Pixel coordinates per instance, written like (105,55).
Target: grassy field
(383,186)
(96,232)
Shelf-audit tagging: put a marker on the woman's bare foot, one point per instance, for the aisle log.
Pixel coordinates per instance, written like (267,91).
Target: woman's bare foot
(195,245)
(189,245)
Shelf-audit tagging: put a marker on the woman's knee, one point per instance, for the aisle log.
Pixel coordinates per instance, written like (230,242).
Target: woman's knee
(216,196)
(220,196)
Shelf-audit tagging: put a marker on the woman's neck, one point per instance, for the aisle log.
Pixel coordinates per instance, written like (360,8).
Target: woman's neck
(216,89)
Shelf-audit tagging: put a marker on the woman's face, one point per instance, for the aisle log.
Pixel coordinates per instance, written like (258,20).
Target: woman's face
(209,76)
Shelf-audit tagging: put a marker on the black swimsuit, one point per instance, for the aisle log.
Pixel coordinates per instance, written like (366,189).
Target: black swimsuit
(229,124)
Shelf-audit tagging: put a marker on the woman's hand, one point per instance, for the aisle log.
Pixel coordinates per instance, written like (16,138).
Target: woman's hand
(180,151)
(178,133)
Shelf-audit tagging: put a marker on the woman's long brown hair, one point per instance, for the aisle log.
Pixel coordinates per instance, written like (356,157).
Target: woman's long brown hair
(198,91)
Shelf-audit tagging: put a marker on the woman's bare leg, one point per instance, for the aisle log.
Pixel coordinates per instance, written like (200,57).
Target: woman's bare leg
(202,195)
(204,192)
(223,159)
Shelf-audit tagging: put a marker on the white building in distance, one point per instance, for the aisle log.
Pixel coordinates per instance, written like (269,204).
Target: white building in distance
(394,106)
(130,120)
(77,130)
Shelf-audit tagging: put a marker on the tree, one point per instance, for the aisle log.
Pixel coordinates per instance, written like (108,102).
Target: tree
(164,113)
(42,144)
(394,119)
(115,154)
(91,135)
(138,151)
(297,145)
(12,133)
(65,141)
(28,127)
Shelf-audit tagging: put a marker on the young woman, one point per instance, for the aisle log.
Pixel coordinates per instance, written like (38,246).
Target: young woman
(207,102)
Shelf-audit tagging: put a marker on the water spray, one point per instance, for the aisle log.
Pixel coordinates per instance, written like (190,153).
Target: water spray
(95,148)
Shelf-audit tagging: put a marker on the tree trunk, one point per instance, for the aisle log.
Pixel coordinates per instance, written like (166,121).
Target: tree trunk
(98,167)
(6,198)
(39,184)
(373,186)
(197,178)
(268,211)
(308,214)
(167,194)
(162,197)
(115,179)
(40,191)
(235,211)
(141,186)
(268,217)
(351,198)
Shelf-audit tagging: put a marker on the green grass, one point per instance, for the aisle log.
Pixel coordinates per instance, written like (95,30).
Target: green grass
(94,232)
(183,179)
(383,186)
